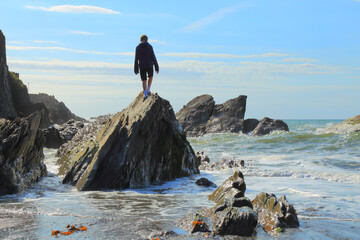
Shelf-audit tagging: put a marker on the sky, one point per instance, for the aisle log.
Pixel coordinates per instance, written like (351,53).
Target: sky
(297,59)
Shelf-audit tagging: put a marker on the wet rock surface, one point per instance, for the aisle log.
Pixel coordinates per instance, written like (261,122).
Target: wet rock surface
(141,145)
(21,153)
(235,214)
(225,163)
(275,214)
(232,214)
(205,182)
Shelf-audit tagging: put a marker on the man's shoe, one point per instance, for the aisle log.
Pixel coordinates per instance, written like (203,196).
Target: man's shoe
(149,93)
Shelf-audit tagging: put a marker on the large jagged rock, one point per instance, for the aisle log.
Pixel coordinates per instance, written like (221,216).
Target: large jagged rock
(348,126)
(233,213)
(201,116)
(58,112)
(275,214)
(141,145)
(7,108)
(194,115)
(228,117)
(268,125)
(21,153)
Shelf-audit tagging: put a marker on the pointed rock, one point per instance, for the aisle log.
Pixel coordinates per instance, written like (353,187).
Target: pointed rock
(141,145)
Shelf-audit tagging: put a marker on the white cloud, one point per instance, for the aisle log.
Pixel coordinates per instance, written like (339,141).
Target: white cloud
(84,33)
(262,70)
(222,55)
(75,9)
(292,60)
(157,42)
(181,55)
(41,41)
(221,13)
(27,48)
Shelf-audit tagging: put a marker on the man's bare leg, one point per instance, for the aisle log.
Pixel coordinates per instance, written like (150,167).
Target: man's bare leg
(149,84)
(144,88)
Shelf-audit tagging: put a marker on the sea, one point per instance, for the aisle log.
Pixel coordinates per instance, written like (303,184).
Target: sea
(318,172)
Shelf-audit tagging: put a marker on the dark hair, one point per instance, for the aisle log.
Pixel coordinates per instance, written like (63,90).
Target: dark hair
(143,38)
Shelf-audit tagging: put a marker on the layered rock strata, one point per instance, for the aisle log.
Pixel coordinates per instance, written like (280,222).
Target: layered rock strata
(235,214)
(141,145)
(21,153)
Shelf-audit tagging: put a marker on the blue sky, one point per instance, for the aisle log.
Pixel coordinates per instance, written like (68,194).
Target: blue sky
(296,59)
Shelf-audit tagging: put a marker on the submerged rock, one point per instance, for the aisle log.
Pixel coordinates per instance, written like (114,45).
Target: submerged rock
(348,126)
(225,163)
(273,213)
(21,153)
(205,182)
(141,145)
(268,125)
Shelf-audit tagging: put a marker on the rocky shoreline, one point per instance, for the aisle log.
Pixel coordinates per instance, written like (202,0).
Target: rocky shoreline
(202,116)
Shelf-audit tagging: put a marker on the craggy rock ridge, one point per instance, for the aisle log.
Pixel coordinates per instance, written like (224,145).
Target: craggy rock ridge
(7,108)
(202,116)
(348,126)
(56,136)
(15,99)
(21,153)
(58,112)
(235,214)
(141,145)
(275,214)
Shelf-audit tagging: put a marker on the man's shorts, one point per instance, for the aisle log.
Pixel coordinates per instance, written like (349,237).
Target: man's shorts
(146,71)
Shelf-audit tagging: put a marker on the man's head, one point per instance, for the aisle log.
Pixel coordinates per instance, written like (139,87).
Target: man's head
(143,38)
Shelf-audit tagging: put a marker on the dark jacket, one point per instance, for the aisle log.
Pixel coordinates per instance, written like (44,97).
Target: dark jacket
(145,57)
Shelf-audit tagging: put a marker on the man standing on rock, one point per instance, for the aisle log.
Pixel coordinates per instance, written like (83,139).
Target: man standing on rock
(145,59)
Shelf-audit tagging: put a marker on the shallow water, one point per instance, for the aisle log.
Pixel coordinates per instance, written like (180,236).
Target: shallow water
(318,172)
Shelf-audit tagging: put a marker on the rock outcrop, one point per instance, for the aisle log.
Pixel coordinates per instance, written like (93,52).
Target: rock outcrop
(348,126)
(268,125)
(139,146)
(15,99)
(58,112)
(202,116)
(21,153)
(233,213)
(275,214)
(194,116)
(58,135)
(7,108)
